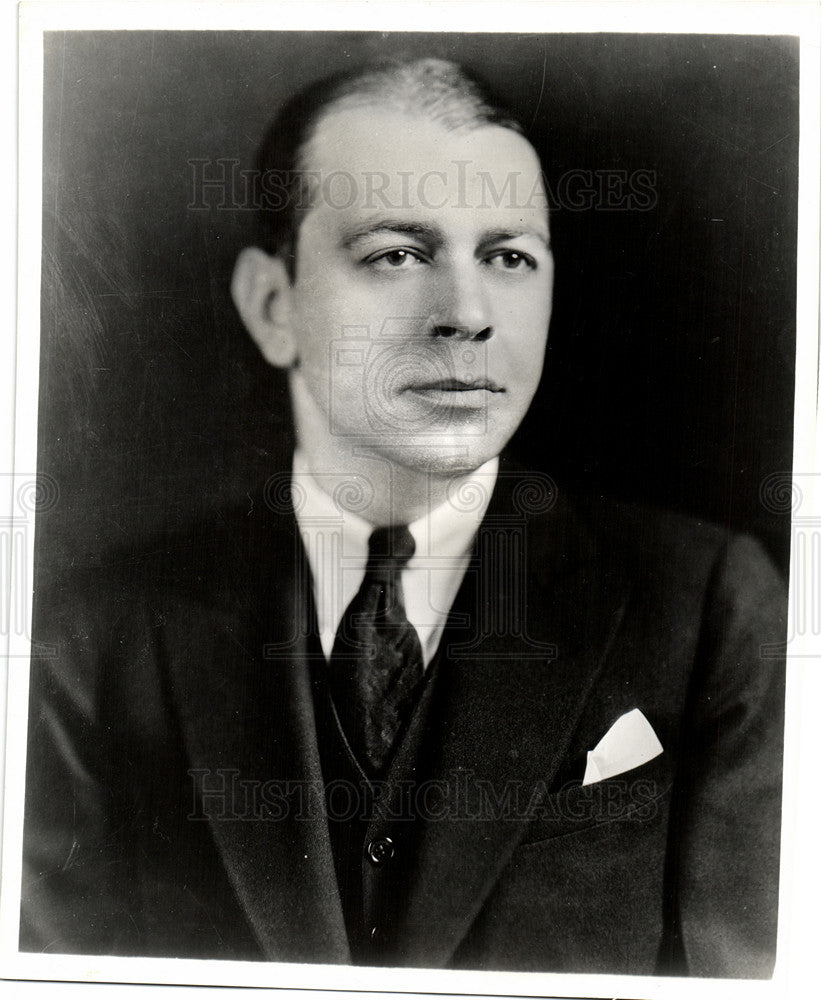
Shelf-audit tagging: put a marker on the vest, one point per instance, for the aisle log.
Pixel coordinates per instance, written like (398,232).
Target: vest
(372,824)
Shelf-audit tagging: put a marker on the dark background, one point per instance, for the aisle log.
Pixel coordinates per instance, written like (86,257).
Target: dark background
(669,374)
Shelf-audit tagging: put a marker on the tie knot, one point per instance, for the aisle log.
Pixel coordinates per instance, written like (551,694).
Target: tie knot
(390,548)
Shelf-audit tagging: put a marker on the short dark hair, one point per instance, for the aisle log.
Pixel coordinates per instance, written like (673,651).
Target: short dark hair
(438,89)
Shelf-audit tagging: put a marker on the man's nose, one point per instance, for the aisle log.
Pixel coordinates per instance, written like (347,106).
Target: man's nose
(461,309)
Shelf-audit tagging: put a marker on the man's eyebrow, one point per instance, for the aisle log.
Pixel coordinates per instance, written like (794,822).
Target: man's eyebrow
(433,235)
(358,235)
(514,233)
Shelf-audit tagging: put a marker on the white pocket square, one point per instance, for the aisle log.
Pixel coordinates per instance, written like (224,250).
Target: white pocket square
(628,743)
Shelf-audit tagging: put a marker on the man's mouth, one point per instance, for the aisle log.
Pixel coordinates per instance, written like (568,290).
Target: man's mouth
(457,385)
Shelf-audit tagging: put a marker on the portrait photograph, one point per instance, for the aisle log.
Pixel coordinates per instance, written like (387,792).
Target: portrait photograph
(409,507)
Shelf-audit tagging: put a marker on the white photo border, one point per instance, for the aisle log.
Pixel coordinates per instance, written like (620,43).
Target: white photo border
(801,867)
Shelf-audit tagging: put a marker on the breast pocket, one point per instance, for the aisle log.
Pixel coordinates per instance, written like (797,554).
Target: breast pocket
(583,891)
(632,797)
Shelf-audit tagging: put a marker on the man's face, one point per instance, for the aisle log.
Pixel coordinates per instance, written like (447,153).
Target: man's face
(423,286)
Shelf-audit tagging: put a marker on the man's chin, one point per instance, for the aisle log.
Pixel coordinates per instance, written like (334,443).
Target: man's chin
(456,456)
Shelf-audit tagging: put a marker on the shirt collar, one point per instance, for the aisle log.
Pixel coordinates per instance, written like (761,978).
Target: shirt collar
(336,540)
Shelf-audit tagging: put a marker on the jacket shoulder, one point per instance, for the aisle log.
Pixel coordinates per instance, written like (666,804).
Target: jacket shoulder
(669,546)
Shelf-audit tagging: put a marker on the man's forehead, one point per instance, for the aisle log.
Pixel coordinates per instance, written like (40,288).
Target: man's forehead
(373,159)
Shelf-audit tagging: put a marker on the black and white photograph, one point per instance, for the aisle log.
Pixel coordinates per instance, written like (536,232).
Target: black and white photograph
(413,503)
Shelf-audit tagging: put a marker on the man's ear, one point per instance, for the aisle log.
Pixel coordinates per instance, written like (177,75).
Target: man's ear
(261,290)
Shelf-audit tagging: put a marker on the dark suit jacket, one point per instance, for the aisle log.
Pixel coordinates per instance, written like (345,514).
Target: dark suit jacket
(174,791)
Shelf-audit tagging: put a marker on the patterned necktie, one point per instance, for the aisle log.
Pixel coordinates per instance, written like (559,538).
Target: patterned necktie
(376,662)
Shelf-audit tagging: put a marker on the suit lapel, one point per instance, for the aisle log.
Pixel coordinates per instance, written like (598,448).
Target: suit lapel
(545,611)
(507,706)
(242,690)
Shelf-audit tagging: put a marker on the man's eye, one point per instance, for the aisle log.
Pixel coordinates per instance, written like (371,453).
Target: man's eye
(395,259)
(512,260)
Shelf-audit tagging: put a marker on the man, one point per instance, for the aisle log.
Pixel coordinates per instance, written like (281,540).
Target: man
(412,705)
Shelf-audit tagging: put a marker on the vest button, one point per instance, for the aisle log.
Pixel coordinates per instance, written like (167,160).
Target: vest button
(381,850)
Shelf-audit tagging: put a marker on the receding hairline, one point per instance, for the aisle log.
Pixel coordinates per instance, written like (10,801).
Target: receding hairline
(435,90)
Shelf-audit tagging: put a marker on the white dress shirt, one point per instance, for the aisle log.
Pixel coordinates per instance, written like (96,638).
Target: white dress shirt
(336,541)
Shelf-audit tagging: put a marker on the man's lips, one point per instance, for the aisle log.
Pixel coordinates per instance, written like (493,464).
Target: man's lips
(456,385)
